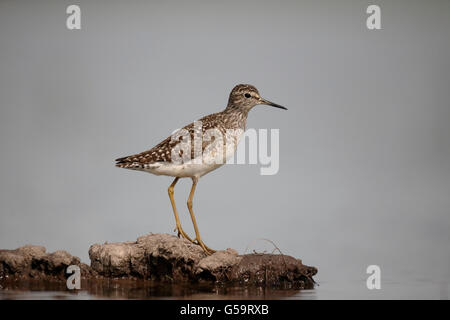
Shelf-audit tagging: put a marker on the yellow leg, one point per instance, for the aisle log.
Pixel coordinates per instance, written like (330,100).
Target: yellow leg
(198,239)
(175,212)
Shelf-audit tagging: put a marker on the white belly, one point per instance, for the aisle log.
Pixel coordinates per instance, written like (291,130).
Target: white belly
(214,156)
(182,170)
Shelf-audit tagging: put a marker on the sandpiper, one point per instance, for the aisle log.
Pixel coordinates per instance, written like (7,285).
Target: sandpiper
(164,158)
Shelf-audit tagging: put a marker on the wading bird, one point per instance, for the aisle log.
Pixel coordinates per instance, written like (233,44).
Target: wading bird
(176,158)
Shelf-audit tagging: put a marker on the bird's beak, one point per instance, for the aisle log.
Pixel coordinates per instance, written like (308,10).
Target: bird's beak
(269,103)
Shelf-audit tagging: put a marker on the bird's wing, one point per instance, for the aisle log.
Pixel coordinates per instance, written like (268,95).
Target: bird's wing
(162,152)
(159,153)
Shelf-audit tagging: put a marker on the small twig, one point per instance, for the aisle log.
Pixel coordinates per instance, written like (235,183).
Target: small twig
(275,248)
(270,241)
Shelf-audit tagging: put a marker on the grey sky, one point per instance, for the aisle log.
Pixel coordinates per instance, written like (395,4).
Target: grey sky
(364,149)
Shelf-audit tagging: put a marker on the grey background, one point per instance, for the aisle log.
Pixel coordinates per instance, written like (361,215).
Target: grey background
(364,148)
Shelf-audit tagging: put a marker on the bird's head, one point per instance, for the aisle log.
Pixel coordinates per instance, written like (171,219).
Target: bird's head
(245,96)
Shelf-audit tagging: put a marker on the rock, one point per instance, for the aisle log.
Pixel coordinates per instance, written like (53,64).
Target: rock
(33,262)
(168,258)
(217,265)
(30,252)
(160,257)
(153,256)
(114,259)
(273,269)
(12,262)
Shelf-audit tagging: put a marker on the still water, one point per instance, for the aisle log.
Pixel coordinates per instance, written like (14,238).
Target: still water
(129,289)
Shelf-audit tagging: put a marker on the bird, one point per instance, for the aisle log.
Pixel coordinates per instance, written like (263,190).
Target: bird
(185,154)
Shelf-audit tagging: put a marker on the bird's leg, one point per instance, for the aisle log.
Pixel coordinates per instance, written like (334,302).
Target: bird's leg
(197,239)
(175,212)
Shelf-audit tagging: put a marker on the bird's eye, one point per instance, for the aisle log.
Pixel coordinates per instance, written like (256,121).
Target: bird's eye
(247,95)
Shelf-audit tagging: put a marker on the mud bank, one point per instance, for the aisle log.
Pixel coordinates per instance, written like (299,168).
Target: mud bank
(163,258)
(33,262)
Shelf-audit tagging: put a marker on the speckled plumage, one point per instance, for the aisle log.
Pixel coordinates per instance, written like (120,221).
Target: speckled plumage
(223,121)
(232,118)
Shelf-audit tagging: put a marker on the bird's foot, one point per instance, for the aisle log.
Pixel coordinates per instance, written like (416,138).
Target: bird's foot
(180,232)
(207,250)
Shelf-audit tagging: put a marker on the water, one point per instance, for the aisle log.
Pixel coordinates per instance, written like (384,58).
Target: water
(130,289)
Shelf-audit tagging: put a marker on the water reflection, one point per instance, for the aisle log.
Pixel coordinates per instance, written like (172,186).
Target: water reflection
(130,289)
(134,289)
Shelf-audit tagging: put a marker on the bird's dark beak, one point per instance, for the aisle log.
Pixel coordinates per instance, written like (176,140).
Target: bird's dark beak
(269,103)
